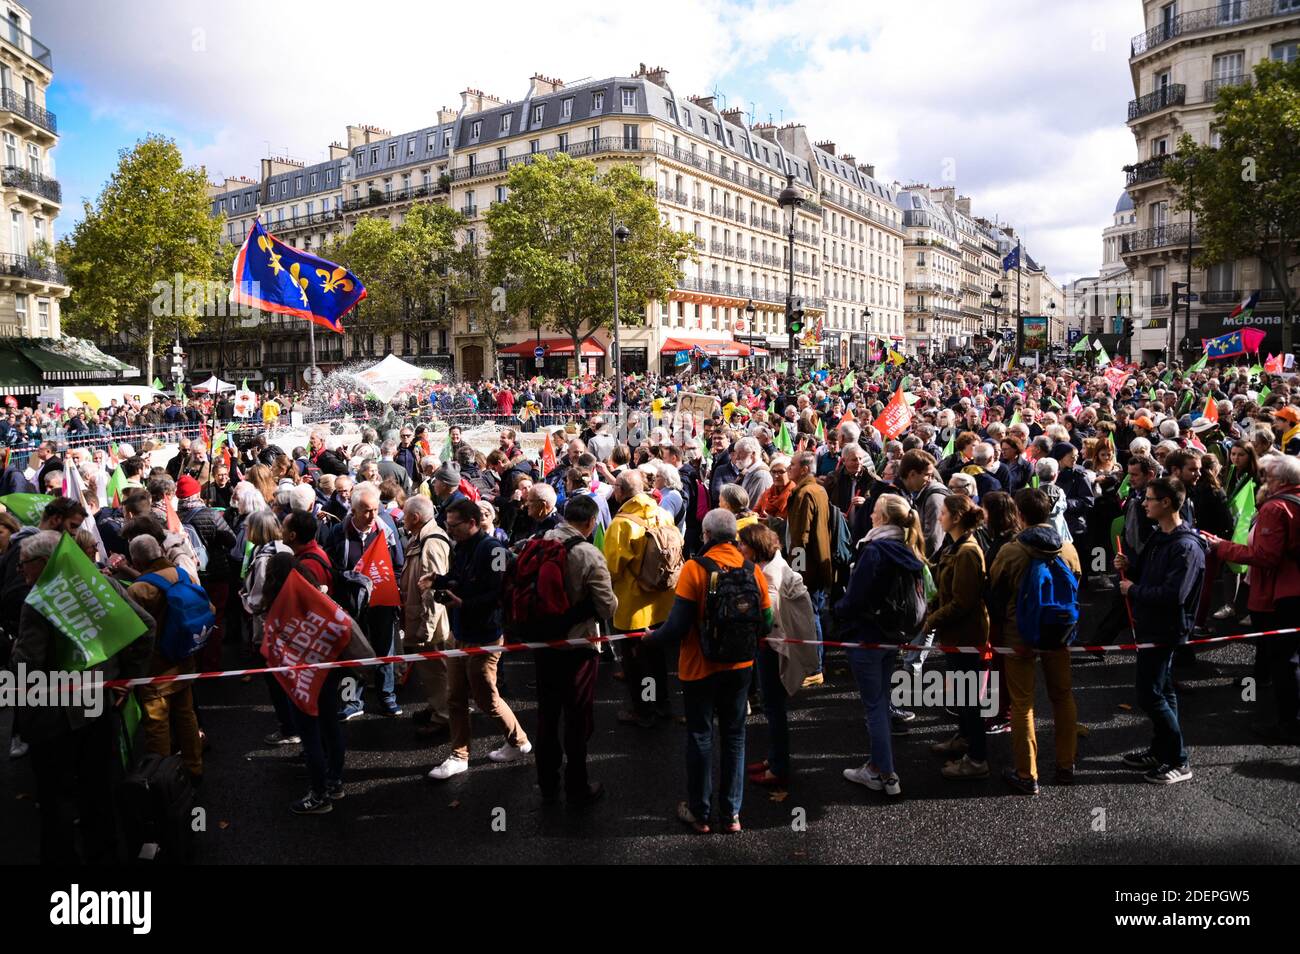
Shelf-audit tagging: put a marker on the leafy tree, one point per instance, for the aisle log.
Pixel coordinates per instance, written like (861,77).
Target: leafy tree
(407,269)
(151,226)
(551,242)
(1246,193)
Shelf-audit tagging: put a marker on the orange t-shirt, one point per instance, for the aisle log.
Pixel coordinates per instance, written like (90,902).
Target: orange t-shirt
(693,585)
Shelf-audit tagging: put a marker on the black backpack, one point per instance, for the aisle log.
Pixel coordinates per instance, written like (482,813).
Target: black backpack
(733,613)
(349,589)
(901,610)
(155,808)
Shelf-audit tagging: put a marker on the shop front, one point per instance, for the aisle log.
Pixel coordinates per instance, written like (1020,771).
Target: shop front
(520,360)
(725,353)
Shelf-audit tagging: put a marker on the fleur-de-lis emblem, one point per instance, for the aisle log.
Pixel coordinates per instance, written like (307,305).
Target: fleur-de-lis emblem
(335,279)
(300,282)
(273,256)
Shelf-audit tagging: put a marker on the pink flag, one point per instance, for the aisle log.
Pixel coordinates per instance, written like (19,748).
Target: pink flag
(1251,338)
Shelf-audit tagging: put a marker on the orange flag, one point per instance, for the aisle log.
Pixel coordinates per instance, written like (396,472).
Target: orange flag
(848,416)
(304,626)
(1273,364)
(548,456)
(376,564)
(1211,412)
(895,418)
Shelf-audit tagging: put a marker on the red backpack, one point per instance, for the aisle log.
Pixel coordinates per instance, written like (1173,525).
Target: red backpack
(469,490)
(537,604)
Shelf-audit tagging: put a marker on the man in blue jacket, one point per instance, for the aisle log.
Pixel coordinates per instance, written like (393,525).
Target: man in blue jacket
(1164,594)
(472,593)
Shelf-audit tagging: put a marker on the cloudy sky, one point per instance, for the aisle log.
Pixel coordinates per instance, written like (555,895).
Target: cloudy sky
(1018,103)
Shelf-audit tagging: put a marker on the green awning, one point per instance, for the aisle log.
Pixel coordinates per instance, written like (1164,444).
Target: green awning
(64,359)
(17,376)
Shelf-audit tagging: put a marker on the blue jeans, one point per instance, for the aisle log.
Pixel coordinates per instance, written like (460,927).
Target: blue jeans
(819,606)
(381,629)
(322,735)
(916,658)
(1156,697)
(774,702)
(284,709)
(872,669)
(723,694)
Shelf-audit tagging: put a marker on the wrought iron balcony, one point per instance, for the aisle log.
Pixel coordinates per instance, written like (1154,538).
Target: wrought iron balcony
(1160,301)
(1161,236)
(469,211)
(16,177)
(1222,296)
(24,266)
(1226,13)
(1212,86)
(1148,170)
(1175,94)
(20,105)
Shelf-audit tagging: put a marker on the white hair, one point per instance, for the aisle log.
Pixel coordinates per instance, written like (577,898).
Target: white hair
(1284,468)
(670,474)
(966,482)
(719,525)
(1139,447)
(544,493)
(41,545)
(248,499)
(850,431)
(1046,469)
(302,497)
(365,490)
(419,505)
(982,453)
(854,450)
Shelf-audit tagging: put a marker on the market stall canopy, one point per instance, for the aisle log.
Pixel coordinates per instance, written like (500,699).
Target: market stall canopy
(96,396)
(713,348)
(554,346)
(213,385)
(389,376)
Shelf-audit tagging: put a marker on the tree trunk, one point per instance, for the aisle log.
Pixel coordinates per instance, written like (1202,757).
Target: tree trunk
(148,350)
(577,355)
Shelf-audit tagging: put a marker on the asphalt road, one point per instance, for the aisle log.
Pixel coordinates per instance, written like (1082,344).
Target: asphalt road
(1239,808)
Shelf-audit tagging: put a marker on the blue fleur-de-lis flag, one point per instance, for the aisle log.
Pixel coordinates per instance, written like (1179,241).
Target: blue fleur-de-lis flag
(276,277)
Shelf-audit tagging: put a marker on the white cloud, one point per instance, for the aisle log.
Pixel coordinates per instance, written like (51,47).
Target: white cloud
(1026,97)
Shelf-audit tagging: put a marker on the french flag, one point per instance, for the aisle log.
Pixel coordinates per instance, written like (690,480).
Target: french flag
(1247,307)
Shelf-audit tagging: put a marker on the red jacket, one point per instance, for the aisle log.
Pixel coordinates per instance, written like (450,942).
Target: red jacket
(1271,555)
(505,401)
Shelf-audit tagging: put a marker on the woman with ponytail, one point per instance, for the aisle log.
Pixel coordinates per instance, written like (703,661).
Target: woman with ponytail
(959,617)
(884,603)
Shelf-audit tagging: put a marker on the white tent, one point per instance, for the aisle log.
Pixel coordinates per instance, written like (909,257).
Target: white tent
(213,384)
(389,376)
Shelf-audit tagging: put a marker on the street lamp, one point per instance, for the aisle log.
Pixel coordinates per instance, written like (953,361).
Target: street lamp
(621,234)
(749,314)
(996,298)
(790,200)
(1051,324)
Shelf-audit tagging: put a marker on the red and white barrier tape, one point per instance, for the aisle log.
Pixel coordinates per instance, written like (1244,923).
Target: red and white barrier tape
(567,643)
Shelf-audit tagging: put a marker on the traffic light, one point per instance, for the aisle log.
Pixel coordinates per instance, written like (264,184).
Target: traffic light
(1175,293)
(796,317)
(178,361)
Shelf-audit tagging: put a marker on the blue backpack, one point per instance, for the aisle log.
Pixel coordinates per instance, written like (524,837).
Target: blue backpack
(841,543)
(1047,610)
(189,616)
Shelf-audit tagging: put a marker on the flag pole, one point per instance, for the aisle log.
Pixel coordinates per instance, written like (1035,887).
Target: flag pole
(1020,328)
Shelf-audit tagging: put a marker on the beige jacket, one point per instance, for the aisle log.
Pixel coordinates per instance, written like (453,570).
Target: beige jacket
(424,619)
(792,618)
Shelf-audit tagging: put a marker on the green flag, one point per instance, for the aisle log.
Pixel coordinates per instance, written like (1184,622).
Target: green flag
(1186,402)
(1199,365)
(26,507)
(704,448)
(1103,358)
(244,385)
(951,447)
(432,374)
(847,383)
(78,601)
(1081,345)
(879,372)
(157,384)
(1243,512)
(781,366)
(117,483)
(782,440)
(1151,393)
(1256,370)
(1167,377)
(1124,488)
(248,559)
(821,431)
(806,388)
(1015,417)
(1263,395)
(598,538)
(1116,532)
(771,408)
(1033,481)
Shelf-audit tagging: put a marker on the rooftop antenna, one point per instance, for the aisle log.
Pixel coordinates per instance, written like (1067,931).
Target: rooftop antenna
(751,112)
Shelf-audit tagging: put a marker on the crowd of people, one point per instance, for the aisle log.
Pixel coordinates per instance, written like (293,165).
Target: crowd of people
(708,540)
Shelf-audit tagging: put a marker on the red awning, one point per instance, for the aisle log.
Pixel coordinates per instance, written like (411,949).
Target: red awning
(554,346)
(715,349)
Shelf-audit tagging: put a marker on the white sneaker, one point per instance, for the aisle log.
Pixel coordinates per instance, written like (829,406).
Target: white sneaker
(447,769)
(889,784)
(17,748)
(510,753)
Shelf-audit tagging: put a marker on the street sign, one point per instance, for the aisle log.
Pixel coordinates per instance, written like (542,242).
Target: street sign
(312,375)
(539,362)
(539,352)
